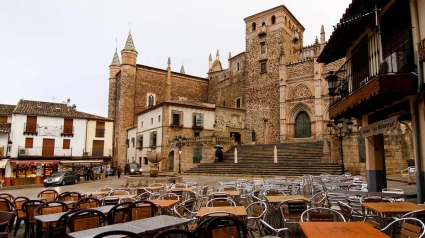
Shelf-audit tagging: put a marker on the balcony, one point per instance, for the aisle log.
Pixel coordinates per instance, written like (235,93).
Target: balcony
(176,125)
(44,152)
(100,133)
(30,129)
(98,153)
(365,83)
(67,131)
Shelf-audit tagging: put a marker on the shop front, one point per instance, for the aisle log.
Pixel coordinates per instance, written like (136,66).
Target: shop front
(25,172)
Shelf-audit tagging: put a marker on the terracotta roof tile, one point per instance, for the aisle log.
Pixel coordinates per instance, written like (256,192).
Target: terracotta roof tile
(51,109)
(6,110)
(5,127)
(193,103)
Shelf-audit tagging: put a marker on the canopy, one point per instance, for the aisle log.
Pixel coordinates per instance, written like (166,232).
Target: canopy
(380,127)
(34,161)
(3,163)
(82,162)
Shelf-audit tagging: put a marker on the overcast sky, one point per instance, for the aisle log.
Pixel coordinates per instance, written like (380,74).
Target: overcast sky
(54,50)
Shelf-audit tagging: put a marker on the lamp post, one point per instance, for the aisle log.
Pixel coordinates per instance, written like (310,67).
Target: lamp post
(341,131)
(180,142)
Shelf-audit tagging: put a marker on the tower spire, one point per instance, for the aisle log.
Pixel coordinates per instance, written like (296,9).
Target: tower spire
(182,69)
(230,54)
(116,59)
(322,35)
(210,62)
(129,44)
(217,56)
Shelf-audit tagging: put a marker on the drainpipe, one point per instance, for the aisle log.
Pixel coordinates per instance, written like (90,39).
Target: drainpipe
(415,119)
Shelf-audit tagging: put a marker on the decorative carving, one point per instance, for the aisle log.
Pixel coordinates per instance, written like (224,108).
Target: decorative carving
(301,91)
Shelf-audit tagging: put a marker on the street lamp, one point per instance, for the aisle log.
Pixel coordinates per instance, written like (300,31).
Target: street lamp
(341,131)
(180,142)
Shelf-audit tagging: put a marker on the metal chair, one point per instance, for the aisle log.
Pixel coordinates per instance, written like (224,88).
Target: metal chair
(6,205)
(141,209)
(395,191)
(255,211)
(117,232)
(318,200)
(267,229)
(68,196)
(88,202)
(118,213)
(408,174)
(6,221)
(57,229)
(143,196)
(171,233)
(111,200)
(352,215)
(321,214)
(225,226)
(291,210)
(28,207)
(220,202)
(48,194)
(169,196)
(50,208)
(85,219)
(406,229)
(8,196)
(20,215)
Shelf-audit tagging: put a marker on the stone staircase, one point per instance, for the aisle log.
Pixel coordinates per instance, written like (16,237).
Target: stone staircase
(295,158)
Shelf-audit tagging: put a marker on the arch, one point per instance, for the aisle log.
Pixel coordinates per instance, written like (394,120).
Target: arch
(326,113)
(263,24)
(302,126)
(151,100)
(254,26)
(273,19)
(300,90)
(297,109)
(170,161)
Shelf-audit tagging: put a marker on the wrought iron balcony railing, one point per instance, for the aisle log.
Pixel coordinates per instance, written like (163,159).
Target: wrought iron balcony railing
(100,133)
(44,151)
(67,130)
(30,128)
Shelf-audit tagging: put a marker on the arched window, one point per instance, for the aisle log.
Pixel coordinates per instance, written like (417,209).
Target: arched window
(254,26)
(273,19)
(151,100)
(263,24)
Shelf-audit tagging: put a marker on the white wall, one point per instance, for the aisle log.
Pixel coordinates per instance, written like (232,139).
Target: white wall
(91,135)
(3,142)
(131,149)
(208,121)
(18,138)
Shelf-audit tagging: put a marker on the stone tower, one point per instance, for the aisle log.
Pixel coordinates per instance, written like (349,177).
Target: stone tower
(114,68)
(269,35)
(125,107)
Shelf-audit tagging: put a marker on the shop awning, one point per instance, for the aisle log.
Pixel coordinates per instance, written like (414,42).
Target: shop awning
(380,127)
(3,163)
(82,162)
(34,161)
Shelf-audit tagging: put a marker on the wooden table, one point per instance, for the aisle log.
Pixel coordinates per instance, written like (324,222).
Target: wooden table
(100,193)
(92,232)
(230,193)
(158,223)
(279,199)
(155,188)
(238,210)
(122,196)
(339,230)
(379,194)
(165,203)
(387,208)
(189,189)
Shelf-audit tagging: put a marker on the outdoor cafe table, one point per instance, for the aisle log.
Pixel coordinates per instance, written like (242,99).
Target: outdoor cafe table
(165,205)
(237,211)
(123,196)
(154,188)
(189,189)
(279,199)
(92,232)
(236,193)
(49,218)
(340,229)
(378,194)
(385,208)
(100,193)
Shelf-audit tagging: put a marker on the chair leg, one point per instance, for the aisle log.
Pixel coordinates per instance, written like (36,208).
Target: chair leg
(26,229)
(18,223)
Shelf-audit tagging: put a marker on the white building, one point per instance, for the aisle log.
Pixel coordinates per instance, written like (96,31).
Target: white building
(5,128)
(45,135)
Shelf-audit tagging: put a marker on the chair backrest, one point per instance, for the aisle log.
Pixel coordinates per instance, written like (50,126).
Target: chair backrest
(104,189)
(85,219)
(117,232)
(175,233)
(220,202)
(169,196)
(48,194)
(143,196)
(118,213)
(218,195)
(318,199)
(141,209)
(6,220)
(257,209)
(57,229)
(68,196)
(268,230)
(8,196)
(28,207)
(293,207)
(224,227)
(410,227)
(393,190)
(111,200)
(321,214)
(347,211)
(418,214)
(177,191)
(371,199)
(127,199)
(88,202)
(6,205)
(51,207)
(18,206)
(117,192)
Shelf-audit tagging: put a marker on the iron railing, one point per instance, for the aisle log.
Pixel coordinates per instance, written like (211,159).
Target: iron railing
(368,61)
(67,130)
(208,140)
(44,151)
(98,153)
(30,128)
(100,133)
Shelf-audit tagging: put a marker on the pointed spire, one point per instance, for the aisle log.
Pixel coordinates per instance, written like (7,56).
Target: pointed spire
(217,56)
(210,59)
(322,35)
(116,59)
(209,63)
(169,62)
(182,69)
(230,55)
(322,30)
(129,44)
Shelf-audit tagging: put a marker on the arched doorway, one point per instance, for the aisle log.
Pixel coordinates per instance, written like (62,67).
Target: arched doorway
(302,125)
(170,161)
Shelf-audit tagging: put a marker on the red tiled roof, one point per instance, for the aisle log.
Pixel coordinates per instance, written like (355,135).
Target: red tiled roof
(5,127)
(51,109)
(6,110)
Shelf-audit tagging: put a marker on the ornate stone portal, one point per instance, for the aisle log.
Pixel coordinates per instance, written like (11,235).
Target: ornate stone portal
(154,158)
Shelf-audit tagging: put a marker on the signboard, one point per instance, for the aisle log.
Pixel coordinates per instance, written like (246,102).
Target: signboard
(380,127)
(180,152)
(421,49)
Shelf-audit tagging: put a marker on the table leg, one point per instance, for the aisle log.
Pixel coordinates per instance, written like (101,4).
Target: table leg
(38,229)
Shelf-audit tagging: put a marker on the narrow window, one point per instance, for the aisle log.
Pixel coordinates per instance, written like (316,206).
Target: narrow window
(254,26)
(176,119)
(263,47)
(140,142)
(100,129)
(66,144)
(146,161)
(273,20)
(141,125)
(153,139)
(159,118)
(238,103)
(197,120)
(263,67)
(133,141)
(151,100)
(151,121)
(224,103)
(239,66)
